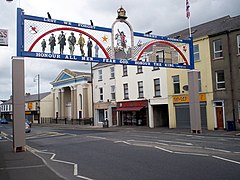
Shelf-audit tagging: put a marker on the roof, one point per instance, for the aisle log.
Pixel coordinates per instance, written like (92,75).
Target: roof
(30,98)
(210,28)
(66,75)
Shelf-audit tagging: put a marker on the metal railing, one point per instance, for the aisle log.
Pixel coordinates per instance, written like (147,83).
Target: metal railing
(47,120)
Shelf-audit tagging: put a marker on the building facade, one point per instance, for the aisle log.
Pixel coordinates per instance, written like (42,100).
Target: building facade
(130,95)
(72,95)
(225,60)
(216,58)
(32,112)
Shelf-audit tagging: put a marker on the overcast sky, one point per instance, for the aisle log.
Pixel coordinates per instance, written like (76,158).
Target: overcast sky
(161,16)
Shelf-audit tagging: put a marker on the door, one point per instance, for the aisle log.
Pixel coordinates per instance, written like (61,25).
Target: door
(219,115)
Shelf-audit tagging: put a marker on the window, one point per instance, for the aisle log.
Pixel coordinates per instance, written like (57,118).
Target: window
(139,69)
(196,52)
(199,82)
(101,93)
(125,90)
(176,84)
(238,43)
(157,88)
(174,56)
(220,81)
(100,77)
(159,58)
(112,72)
(125,70)
(113,96)
(80,101)
(217,49)
(140,89)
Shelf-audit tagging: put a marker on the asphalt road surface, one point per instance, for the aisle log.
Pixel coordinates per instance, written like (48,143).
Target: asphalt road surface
(128,153)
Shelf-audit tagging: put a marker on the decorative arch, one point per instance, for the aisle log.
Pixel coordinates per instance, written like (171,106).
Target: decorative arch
(163,42)
(69,29)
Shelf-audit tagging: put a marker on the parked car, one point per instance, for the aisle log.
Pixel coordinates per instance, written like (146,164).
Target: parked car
(4,121)
(29,122)
(27,128)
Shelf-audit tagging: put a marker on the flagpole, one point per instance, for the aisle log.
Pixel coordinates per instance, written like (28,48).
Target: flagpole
(188,15)
(189,27)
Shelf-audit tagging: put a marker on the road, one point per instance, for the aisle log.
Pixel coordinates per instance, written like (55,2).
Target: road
(132,153)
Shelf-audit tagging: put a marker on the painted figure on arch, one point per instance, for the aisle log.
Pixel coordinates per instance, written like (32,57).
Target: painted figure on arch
(81,43)
(52,43)
(121,40)
(96,50)
(61,41)
(44,45)
(89,46)
(72,42)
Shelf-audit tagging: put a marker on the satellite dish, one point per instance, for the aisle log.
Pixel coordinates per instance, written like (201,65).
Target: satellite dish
(185,87)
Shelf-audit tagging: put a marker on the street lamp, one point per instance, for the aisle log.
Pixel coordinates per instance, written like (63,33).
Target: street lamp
(37,78)
(91,81)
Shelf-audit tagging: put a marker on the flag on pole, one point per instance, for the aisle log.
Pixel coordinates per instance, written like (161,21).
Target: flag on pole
(187,9)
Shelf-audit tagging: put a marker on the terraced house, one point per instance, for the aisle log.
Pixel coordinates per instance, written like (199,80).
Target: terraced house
(216,55)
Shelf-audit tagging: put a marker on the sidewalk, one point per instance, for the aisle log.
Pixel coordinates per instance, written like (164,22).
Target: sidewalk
(205,132)
(22,165)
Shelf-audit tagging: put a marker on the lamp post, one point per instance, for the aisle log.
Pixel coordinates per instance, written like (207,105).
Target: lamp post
(92,95)
(37,78)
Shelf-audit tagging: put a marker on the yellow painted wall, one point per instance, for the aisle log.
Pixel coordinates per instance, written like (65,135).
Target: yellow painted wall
(204,66)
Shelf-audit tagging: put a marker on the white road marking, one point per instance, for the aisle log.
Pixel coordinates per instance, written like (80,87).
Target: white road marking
(193,154)
(122,142)
(22,167)
(84,177)
(224,159)
(75,166)
(177,142)
(97,137)
(166,150)
(220,150)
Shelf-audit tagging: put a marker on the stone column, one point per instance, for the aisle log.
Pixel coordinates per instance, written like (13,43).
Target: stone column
(194,104)
(72,102)
(62,104)
(150,115)
(75,102)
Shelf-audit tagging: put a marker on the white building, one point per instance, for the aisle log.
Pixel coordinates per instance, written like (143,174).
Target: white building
(72,95)
(130,95)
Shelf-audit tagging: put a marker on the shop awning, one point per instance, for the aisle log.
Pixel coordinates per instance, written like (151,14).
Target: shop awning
(129,108)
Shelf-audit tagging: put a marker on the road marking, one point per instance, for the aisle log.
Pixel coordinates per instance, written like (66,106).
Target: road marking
(220,150)
(224,159)
(84,177)
(22,167)
(75,166)
(149,142)
(194,154)
(177,142)
(125,142)
(163,149)
(97,137)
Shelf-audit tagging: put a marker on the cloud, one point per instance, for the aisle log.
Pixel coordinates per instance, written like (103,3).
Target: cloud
(161,16)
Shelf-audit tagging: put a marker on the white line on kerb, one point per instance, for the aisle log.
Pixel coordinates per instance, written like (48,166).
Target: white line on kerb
(224,159)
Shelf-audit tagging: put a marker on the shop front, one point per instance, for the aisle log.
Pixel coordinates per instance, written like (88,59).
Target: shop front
(181,104)
(133,113)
